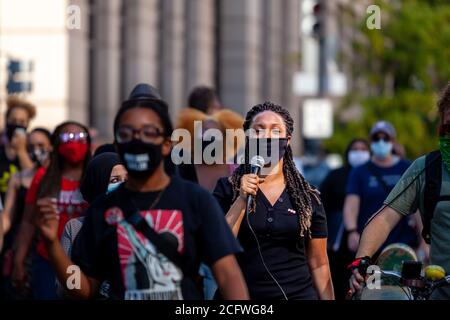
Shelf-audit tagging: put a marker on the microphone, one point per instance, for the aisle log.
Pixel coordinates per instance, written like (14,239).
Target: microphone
(256,163)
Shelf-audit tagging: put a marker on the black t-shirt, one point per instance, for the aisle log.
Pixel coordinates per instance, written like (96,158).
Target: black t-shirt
(282,248)
(109,248)
(7,169)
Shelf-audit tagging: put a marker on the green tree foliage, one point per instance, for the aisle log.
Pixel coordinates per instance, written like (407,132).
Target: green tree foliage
(399,72)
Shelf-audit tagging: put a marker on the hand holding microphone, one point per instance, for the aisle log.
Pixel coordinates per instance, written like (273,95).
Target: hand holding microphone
(250,182)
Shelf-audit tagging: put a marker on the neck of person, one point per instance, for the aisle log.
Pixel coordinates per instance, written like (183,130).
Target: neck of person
(73,171)
(385,162)
(156,182)
(275,173)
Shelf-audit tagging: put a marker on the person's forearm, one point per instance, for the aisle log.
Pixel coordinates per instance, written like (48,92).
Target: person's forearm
(350,215)
(233,288)
(235,215)
(230,281)
(24,160)
(23,240)
(1,231)
(61,264)
(322,282)
(5,221)
(373,236)
(9,209)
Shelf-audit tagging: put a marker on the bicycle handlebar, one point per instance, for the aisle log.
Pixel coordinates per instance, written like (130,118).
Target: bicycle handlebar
(441,283)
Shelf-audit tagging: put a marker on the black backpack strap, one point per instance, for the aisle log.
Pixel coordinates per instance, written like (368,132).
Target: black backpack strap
(380,179)
(433,180)
(132,215)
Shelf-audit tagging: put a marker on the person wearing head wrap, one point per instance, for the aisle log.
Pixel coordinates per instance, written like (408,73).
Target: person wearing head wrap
(103,174)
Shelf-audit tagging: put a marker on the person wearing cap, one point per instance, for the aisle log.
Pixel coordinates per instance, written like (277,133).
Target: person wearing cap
(148,237)
(411,194)
(369,184)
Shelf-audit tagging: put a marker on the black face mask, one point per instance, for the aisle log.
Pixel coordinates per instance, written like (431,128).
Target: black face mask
(11,129)
(141,159)
(263,148)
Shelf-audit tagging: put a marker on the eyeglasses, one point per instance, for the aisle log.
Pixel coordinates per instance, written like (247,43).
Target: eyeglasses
(147,134)
(73,136)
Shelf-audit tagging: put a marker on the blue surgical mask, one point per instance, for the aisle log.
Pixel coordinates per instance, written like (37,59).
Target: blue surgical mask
(113,186)
(381,149)
(358,157)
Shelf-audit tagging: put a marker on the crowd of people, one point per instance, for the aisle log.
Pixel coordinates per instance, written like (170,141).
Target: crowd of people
(137,226)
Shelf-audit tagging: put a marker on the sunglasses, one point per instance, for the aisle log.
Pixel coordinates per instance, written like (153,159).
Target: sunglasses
(379,138)
(73,136)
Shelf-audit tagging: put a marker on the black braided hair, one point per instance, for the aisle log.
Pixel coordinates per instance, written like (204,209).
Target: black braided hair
(300,191)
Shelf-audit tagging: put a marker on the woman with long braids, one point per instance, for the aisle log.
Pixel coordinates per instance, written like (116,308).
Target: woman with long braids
(284,236)
(53,189)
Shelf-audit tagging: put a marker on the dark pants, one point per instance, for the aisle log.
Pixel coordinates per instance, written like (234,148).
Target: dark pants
(43,279)
(339,260)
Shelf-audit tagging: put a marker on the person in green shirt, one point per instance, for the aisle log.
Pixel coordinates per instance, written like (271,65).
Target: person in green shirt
(405,199)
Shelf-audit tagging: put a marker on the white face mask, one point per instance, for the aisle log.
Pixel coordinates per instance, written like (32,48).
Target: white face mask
(358,157)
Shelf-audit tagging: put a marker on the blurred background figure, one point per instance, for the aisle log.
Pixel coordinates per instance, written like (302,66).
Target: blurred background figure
(202,173)
(315,167)
(333,195)
(39,147)
(96,140)
(399,150)
(13,151)
(370,184)
(204,99)
(207,175)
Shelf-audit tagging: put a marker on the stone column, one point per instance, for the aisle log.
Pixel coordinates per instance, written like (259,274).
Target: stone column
(140,40)
(78,66)
(272,44)
(171,57)
(240,53)
(105,46)
(200,44)
(291,64)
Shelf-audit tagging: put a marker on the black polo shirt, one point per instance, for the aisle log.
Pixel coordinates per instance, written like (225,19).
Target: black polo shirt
(283,250)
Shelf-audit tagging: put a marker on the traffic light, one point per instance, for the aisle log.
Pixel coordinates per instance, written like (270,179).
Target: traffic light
(16,71)
(318,17)
(313,18)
